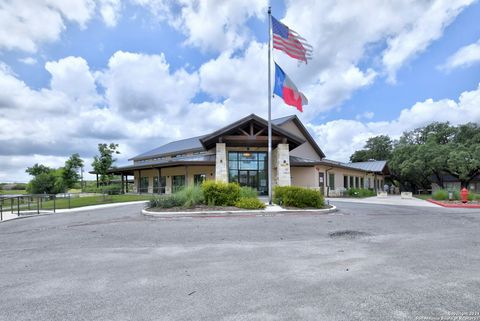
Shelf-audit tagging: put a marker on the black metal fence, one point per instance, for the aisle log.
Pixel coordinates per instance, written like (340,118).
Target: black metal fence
(28,204)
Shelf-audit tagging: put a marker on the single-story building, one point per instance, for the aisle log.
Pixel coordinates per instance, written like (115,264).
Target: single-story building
(238,153)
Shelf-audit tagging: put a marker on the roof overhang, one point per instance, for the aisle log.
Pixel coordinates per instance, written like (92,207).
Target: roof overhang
(250,131)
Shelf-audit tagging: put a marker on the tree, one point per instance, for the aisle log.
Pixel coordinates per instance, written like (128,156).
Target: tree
(102,163)
(70,174)
(377,148)
(38,169)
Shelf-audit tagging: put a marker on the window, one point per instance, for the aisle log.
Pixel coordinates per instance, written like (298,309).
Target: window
(198,179)
(362,185)
(178,183)
(143,185)
(159,185)
(351,181)
(345,181)
(331,181)
(248,169)
(357,184)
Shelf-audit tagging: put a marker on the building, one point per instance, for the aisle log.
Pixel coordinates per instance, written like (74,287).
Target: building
(238,153)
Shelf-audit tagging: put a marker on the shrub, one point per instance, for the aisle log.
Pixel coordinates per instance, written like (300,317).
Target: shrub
(166,201)
(221,194)
(250,203)
(440,195)
(298,197)
(113,189)
(360,192)
(248,192)
(476,197)
(190,196)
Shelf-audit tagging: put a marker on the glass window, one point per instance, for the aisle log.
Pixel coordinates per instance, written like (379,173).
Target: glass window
(345,181)
(357,184)
(198,179)
(362,185)
(178,182)
(331,181)
(232,156)
(144,184)
(233,164)
(159,184)
(233,175)
(351,181)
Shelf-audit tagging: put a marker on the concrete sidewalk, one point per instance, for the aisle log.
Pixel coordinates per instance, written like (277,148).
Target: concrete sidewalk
(395,200)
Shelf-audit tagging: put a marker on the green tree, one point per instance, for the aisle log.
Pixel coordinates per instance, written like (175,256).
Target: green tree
(102,163)
(70,174)
(38,169)
(377,148)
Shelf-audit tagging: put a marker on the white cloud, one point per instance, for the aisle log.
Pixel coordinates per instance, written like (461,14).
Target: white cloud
(209,25)
(139,85)
(340,138)
(28,60)
(110,11)
(463,57)
(418,35)
(365,115)
(26,24)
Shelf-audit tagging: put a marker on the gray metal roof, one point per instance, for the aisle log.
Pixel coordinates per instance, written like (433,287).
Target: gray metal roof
(187,160)
(282,120)
(370,166)
(176,147)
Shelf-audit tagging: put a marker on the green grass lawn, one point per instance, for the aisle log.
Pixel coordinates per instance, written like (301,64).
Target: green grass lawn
(13,191)
(94,200)
(61,203)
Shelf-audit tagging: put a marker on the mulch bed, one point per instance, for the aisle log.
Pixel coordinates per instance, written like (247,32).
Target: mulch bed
(198,208)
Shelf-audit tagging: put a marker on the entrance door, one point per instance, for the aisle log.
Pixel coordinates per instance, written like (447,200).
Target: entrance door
(248,178)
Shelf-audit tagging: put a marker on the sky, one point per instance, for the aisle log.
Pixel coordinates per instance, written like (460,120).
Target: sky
(141,73)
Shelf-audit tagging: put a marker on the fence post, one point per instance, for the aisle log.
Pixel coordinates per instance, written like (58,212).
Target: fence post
(54,198)
(38,205)
(11,205)
(1,210)
(18,206)
(69,197)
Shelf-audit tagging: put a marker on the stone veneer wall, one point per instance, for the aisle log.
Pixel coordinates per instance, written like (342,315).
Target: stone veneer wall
(221,164)
(281,164)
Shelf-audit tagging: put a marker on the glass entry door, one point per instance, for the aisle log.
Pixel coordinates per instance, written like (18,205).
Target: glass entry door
(248,178)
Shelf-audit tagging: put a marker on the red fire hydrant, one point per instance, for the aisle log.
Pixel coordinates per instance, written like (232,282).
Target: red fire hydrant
(464,195)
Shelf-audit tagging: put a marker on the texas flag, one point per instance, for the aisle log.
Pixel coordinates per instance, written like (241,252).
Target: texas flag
(285,88)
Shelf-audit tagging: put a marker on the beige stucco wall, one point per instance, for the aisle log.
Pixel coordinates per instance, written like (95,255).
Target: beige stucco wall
(305,150)
(168,172)
(304,176)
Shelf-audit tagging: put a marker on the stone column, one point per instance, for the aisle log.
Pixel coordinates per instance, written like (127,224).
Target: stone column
(221,166)
(281,162)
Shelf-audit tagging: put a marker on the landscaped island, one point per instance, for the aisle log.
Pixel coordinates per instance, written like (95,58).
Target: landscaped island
(213,195)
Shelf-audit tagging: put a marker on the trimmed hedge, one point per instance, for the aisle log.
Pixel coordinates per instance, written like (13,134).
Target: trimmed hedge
(297,197)
(166,201)
(250,203)
(221,194)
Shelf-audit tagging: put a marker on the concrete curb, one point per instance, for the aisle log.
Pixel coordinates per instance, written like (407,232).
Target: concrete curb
(477,206)
(76,209)
(247,213)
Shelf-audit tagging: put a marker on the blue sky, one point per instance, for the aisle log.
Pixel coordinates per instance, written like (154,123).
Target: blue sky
(145,72)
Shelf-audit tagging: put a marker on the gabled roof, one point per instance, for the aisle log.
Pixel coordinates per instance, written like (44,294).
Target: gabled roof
(192,144)
(303,130)
(203,142)
(209,140)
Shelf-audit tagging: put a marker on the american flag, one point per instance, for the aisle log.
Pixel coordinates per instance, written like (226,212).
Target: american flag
(290,42)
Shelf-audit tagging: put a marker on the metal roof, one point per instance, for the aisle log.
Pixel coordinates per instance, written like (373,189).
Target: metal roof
(175,147)
(174,161)
(282,120)
(370,166)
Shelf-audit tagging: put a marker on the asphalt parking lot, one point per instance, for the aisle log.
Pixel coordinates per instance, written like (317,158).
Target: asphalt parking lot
(364,262)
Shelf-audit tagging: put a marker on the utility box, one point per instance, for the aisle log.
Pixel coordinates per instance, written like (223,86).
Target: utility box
(407,195)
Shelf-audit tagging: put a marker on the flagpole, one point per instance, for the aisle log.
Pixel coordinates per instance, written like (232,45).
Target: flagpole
(269,109)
